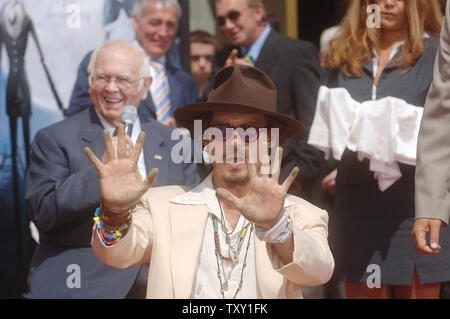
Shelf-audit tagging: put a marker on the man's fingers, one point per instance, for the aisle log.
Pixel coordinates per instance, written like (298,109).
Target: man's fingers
(276,168)
(328,183)
(121,144)
(259,153)
(326,180)
(233,55)
(109,149)
(227,197)
(290,179)
(435,228)
(97,163)
(138,147)
(251,167)
(231,60)
(171,122)
(330,177)
(250,163)
(151,177)
(420,229)
(420,240)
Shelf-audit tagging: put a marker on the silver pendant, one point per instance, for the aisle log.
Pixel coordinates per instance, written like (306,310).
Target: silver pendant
(233,256)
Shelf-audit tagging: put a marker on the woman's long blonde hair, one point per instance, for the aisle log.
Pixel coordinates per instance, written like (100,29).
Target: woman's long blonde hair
(353,46)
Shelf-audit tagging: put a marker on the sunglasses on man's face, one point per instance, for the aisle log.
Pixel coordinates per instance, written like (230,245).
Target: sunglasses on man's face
(233,15)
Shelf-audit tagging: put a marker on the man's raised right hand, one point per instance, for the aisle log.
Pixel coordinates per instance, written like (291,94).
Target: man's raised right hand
(120,185)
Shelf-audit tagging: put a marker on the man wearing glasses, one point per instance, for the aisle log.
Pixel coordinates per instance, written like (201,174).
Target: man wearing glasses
(155,24)
(293,66)
(62,188)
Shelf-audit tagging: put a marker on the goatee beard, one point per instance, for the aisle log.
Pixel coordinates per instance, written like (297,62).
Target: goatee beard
(233,182)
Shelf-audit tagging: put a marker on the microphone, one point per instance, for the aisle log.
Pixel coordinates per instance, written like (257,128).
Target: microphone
(128,116)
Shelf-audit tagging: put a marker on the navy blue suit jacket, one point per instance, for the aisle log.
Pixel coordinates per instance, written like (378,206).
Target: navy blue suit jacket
(62,191)
(183,91)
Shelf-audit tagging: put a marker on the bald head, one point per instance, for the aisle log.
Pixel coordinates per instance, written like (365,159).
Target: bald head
(119,75)
(135,55)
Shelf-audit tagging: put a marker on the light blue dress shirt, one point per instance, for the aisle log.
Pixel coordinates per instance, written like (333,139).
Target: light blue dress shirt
(255,48)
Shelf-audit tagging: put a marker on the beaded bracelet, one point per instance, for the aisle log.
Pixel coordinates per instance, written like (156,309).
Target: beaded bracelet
(108,235)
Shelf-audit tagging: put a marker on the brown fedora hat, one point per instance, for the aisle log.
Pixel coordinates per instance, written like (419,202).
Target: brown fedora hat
(242,89)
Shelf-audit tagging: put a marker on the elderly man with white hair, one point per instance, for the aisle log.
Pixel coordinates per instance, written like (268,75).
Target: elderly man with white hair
(62,187)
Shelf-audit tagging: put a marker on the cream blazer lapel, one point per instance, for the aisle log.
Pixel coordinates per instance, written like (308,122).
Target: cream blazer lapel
(187,228)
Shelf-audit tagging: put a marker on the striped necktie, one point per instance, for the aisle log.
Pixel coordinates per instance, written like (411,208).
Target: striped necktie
(160,93)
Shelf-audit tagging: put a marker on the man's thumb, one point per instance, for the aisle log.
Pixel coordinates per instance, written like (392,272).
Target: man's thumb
(435,227)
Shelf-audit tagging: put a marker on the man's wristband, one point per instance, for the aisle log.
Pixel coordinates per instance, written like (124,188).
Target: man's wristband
(114,219)
(279,233)
(110,211)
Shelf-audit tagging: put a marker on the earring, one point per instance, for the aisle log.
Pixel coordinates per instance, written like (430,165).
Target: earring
(206,155)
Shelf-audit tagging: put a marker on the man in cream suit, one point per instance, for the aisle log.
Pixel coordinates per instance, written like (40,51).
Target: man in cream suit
(433,153)
(237,234)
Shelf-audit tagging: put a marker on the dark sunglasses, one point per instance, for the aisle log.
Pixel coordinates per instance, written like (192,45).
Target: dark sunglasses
(246,132)
(233,15)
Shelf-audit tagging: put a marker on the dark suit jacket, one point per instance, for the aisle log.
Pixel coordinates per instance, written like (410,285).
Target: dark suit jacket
(62,191)
(294,67)
(183,91)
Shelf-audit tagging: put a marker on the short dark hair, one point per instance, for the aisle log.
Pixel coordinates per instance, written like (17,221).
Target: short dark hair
(201,36)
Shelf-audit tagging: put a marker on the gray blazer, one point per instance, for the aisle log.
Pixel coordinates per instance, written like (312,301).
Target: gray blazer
(432,196)
(62,191)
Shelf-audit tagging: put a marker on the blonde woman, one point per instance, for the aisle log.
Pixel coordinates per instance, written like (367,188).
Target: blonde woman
(376,253)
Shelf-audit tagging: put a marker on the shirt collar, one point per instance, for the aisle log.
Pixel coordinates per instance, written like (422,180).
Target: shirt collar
(396,48)
(111,128)
(105,124)
(255,49)
(161,60)
(203,194)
